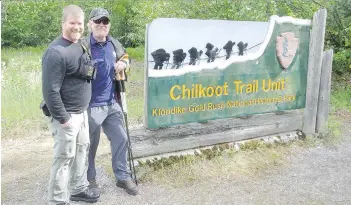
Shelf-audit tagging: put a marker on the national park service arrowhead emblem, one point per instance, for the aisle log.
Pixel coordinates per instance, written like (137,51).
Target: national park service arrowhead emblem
(286,48)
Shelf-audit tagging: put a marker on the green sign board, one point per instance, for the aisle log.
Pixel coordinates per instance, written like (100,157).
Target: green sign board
(272,78)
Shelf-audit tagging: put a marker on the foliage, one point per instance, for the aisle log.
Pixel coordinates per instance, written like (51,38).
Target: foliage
(342,62)
(338,34)
(21,88)
(130,17)
(32,23)
(136,53)
(21,91)
(341,92)
(36,23)
(339,25)
(18,30)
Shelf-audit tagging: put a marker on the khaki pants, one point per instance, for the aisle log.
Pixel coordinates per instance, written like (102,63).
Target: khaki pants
(70,163)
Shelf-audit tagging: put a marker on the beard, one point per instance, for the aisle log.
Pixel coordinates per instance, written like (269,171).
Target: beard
(74,34)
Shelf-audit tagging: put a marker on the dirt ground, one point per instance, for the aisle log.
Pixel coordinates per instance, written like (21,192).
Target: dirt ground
(312,175)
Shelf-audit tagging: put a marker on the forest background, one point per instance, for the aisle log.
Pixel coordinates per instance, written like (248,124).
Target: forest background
(27,27)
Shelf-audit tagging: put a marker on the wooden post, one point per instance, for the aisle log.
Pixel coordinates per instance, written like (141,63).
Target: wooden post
(146,75)
(314,70)
(324,93)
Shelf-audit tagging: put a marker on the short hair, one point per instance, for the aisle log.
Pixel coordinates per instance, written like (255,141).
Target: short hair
(71,10)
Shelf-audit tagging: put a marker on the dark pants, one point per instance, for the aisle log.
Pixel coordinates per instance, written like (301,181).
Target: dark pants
(110,118)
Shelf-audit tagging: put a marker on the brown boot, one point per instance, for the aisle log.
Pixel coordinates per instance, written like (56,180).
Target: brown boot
(129,186)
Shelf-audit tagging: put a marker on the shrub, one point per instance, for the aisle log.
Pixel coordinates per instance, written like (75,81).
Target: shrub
(136,53)
(342,62)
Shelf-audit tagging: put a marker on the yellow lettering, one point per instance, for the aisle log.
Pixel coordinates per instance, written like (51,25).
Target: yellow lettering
(237,84)
(264,88)
(171,92)
(283,84)
(218,91)
(249,88)
(184,90)
(154,112)
(212,91)
(275,86)
(202,91)
(225,86)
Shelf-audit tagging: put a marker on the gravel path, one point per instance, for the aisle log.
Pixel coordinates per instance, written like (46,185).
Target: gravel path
(318,175)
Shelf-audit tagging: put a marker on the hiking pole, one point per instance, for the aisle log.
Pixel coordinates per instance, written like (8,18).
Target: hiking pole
(123,101)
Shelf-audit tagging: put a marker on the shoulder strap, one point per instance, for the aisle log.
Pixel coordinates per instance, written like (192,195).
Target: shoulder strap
(114,45)
(85,43)
(119,48)
(120,56)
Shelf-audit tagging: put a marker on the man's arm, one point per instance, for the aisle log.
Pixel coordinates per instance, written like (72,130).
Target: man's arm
(52,78)
(122,66)
(122,58)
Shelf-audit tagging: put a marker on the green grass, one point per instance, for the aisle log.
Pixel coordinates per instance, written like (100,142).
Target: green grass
(135,94)
(21,95)
(189,169)
(136,54)
(251,160)
(341,93)
(341,99)
(21,92)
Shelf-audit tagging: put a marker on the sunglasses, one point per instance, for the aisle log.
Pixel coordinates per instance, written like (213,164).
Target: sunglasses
(104,21)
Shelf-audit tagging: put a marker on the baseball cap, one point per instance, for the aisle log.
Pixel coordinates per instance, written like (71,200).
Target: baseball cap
(98,13)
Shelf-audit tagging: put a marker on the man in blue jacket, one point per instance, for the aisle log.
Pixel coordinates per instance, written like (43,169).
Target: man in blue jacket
(104,111)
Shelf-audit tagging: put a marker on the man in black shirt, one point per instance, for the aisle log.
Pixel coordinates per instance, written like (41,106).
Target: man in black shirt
(67,92)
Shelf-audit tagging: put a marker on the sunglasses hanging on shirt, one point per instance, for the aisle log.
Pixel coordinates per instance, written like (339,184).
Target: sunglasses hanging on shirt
(104,21)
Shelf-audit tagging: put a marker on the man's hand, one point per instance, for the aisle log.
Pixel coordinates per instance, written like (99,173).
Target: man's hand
(66,124)
(119,66)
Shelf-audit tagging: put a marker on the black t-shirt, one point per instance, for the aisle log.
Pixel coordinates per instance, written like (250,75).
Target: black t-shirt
(63,92)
